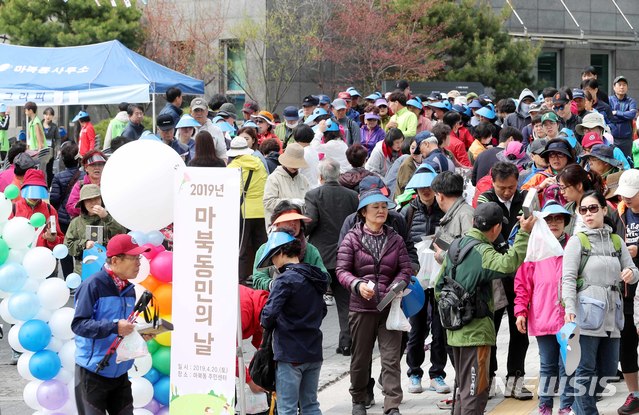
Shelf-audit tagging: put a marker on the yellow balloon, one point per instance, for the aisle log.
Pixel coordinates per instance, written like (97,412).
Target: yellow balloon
(164,339)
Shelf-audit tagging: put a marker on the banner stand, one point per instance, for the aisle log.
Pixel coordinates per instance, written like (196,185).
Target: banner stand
(241,371)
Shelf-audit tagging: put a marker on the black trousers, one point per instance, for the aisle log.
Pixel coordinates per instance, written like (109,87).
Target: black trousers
(518,344)
(252,236)
(628,346)
(342,302)
(95,394)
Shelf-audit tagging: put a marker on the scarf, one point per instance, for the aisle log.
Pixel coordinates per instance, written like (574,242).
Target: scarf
(121,284)
(290,173)
(388,151)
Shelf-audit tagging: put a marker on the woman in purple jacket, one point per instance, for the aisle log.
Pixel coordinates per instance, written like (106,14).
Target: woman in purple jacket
(370,259)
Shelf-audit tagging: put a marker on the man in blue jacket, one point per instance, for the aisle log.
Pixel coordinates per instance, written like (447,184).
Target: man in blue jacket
(102,304)
(624,111)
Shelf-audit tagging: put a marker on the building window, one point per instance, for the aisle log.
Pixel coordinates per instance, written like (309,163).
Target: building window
(601,62)
(234,66)
(548,69)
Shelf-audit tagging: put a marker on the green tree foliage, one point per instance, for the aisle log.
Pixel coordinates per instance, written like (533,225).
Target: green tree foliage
(479,49)
(76,22)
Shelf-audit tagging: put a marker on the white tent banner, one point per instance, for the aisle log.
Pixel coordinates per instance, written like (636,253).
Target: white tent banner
(205,291)
(116,94)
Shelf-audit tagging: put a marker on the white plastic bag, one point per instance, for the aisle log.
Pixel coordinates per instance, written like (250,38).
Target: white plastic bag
(396,319)
(256,403)
(132,347)
(428,266)
(542,244)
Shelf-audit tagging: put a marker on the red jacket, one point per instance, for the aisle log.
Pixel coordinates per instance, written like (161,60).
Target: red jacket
(251,305)
(459,151)
(464,136)
(22,209)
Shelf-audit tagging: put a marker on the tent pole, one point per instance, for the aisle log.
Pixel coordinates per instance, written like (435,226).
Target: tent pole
(153,108)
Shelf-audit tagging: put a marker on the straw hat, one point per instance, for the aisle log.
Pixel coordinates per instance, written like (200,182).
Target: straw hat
(293,157)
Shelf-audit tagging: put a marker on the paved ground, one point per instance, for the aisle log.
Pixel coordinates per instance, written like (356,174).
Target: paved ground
(334,382)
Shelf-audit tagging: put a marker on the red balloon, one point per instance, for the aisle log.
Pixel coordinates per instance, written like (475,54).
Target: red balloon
(162,266)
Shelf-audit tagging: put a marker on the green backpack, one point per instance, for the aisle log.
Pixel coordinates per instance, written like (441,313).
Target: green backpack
(586,250)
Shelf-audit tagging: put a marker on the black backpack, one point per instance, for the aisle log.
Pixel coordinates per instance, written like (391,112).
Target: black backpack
(262,367)
(457,307)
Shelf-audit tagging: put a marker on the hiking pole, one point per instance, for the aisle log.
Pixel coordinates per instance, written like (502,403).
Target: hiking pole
(140,306)
(452,407)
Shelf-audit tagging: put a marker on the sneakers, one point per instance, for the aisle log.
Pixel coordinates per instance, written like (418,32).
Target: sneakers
(566,411)
(492,389)
(631,406)
(415,384)
(438,385)
(14,358)
(393,411)
(329,300)
(343,350)
(370,400)
(359,408)
(515,389)
(545,409)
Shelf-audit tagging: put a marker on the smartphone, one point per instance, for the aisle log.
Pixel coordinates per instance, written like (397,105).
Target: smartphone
(531,203)
(52,225)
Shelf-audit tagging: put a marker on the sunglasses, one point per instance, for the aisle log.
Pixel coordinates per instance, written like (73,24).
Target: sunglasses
(554,218)
(382,106)
(591,208)
(559,108)
(258,121)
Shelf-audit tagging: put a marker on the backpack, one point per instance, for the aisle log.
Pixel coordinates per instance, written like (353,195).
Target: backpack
(457,307)
(552,192)
(586,250)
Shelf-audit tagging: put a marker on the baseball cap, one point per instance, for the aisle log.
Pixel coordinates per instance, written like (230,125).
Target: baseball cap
(371,183)
(381,101)
(81,114)
(291,114)
(578,93)
(534,107)
(339,104)
(537,146)
(199,103)
(346,96)
(560,98)
(324,99)
(353,92)
(165,122)
(310,101)
(250,107)
(620,78)
(591,138)
(421,137)
(589,69)
(628,183)
(123,244)
(488,215)
(549,116)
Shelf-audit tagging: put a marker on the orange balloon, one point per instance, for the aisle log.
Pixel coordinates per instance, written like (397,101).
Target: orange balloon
(163,298)
(150,283)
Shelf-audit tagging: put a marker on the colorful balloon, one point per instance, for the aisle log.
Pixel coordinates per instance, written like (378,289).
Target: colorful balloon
(34,335)
(44,365)
(162,360)
(152,375)
(164,298)
(24,305)
(162,266)
(12,277)
(155,238)
(52,394)
(37,220)
(74,280)
(60,251)
(161,390)
(11,191)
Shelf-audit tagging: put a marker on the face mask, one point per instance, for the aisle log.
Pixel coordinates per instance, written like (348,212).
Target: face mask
(524,108)
(291,124)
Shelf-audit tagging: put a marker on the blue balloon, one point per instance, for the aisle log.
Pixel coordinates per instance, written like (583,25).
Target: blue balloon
(139,237)
(161,390)
(153,375)
(13,276)
(60,251)
(34,335)
(73,280)
(44,365)
(155,238)
(24,305)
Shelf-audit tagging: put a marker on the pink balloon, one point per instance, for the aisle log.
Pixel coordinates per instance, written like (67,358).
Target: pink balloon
(162,266)
(154,250)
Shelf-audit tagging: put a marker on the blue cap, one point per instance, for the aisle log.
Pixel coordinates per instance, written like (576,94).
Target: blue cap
(578,93)
(331,126)
(374,196)
(441,105)
(81,114)
(420,137)
(475,104)
(187,121)
(317,112)
(415,102)
(553,208)
(569,135)
(486,112)
(148,135)
(34,192)
(353,92)
(249,124)
(421,180)
(374,96)
(324,99)
(291,113)
(275,241)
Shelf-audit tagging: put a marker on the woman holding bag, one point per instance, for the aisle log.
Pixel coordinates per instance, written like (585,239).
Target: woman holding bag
(536,283)
(371,258)
(590,291)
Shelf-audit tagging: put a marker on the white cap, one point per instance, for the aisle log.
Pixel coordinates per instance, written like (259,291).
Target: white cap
(628,184)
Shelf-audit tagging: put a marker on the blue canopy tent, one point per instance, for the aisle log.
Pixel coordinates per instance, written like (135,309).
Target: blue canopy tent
(104,73)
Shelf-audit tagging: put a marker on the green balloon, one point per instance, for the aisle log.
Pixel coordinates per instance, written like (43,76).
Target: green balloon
(4,251)
(37,220)
(11,191)
(152,345)
(162,360)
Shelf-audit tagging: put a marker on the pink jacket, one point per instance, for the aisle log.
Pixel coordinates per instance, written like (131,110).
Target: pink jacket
(74,196)
(537,296)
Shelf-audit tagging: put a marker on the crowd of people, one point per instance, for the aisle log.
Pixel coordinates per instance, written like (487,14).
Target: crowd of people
(346,197)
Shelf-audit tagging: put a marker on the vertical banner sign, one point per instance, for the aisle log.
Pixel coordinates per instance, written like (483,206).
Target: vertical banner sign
(205,292)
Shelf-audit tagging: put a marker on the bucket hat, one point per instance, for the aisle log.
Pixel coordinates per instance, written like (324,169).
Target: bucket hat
(293,157)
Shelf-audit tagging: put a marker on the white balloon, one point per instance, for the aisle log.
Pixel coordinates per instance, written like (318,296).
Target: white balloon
(141,366)
(5,314)
(140,195)
(55,344)
(43,314)
(141,411)
(14,341)
(142,391)
(69,408)
(53,293)
(64,376)
(144,271)
(31,285)
(39,262)
(23,366)
(16,255)
(60,323)
(18,232)
(67,355)
(30,394)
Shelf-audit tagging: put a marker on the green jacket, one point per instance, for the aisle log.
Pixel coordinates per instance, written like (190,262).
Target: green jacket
(482,265)
(262,277)
(76,237)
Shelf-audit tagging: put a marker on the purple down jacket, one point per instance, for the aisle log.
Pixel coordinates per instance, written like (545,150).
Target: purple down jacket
(355,263)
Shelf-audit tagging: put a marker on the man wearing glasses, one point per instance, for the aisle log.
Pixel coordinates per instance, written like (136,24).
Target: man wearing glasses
(561,102)
(200,111)
(103,303)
